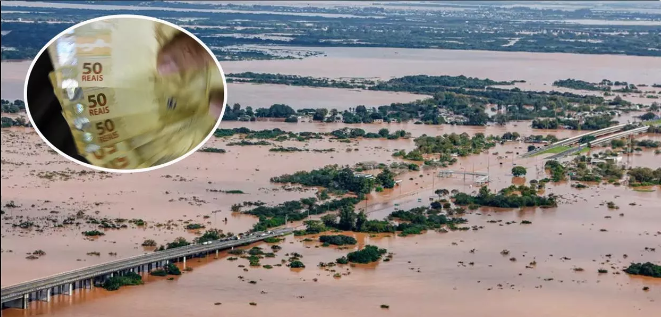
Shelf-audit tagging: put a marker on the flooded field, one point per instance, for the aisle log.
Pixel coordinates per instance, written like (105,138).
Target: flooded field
(386,63)
(539,70)
(426,269)
(264,96)
(461,273)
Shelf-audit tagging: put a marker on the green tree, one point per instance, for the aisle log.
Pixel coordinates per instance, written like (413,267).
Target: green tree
(329,220)
(384,132)
(361,219)
(320,114)
(314,226)
(648,116)
(386,178)
(617,143)
(519,171)
(347,218)
(280,111)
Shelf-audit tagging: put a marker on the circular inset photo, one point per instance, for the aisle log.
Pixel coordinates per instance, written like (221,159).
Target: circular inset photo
(125,93)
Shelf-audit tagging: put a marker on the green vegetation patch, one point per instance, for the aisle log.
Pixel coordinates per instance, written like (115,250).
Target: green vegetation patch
(337,239)
(115,282)
(645,269)
(368,254)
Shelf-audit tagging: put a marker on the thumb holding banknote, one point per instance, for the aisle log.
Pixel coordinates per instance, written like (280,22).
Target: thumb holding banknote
(185,53)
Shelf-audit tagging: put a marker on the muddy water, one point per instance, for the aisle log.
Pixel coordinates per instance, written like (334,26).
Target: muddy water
(256,96)
(263,96)
(573,228)
(173,193)
(425,271)
(442,285)
(539,70)
(13,79)
(385,63)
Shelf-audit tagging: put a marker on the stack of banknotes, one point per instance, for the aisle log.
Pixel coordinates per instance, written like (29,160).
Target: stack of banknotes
(122,113)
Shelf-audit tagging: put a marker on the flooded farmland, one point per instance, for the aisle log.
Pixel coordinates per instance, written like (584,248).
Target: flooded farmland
(462,273)
(433,266)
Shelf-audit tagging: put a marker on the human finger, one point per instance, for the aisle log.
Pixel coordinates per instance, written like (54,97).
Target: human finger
(182,53)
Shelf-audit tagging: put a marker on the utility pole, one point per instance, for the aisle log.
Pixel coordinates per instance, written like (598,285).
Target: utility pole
(488,169)
(433,181)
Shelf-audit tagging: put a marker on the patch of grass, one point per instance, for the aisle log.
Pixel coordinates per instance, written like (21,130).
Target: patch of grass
(653,122)
(583,150)
(554,150)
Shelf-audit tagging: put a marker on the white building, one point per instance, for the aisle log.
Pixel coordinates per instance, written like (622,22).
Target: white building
(304,118)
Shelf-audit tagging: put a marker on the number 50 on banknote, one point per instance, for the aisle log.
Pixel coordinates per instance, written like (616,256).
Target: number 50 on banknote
(129,93)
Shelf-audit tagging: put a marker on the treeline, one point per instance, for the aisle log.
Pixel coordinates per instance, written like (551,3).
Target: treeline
(18,122)
(337,239)
(347,219)
(589,123)
(268,134)
(275,111)
(580,84)
(417,220)
(296,210)
(643,176)
(447,146)
(349,133)
(295,80)
(469,103)
(425,84)
(12,107)
(506,198)
(461,144)
(340,179)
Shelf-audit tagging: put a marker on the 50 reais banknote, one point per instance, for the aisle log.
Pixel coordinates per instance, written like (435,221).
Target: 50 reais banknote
(121,112)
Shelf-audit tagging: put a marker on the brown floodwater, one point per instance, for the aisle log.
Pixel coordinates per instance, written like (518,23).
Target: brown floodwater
(539,70)
(386,63)
(425,275)
(425,270)
(264,96)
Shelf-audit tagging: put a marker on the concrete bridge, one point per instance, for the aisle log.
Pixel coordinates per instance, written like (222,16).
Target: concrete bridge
(19,295)
(599,141)
(575,139)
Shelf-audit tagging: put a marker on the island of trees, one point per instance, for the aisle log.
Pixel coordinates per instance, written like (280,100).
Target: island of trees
(339,179)
(510,197)
(368,254)
(645,269)
(455,100)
